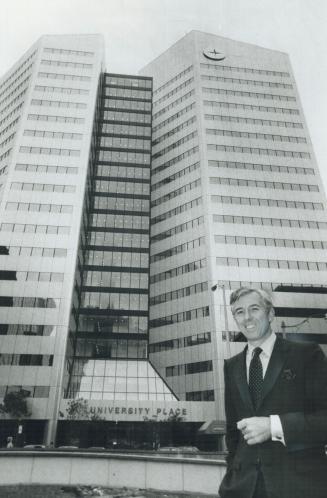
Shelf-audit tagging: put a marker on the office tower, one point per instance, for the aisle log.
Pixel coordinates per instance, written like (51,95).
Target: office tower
(48,101)
(236,200)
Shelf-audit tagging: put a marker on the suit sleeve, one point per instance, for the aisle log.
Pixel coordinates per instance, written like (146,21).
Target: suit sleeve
(309,427)
(232,433)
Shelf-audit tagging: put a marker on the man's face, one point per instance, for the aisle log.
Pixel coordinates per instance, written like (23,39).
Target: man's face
(252,318)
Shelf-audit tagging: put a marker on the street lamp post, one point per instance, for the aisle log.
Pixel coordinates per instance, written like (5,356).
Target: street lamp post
(222,287)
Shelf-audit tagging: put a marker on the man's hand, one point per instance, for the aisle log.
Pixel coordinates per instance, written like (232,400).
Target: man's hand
(255,429)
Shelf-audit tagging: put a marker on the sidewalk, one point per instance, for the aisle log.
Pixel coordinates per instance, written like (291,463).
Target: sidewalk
(48,491)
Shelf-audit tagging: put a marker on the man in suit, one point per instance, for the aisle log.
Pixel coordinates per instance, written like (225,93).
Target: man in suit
(276,409)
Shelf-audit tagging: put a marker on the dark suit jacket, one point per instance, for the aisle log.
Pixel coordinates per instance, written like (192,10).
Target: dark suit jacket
(295,388)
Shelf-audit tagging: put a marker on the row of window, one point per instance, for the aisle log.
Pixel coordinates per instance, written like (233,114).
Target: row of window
(53,134)
(122,323)
(277,222)
(39,207)
(183,316)
(174,145)
(254,95)
(59,103)
(258,136)
(43,187)
(252,107)
(189,368)
(29,391)
(241,81)
(55,119)
(61,89)
(117,257)
(176,159)
(46,252)
(179,293)
(172,80)
(177,210)
(15,90)
(5,154)
(115,280)
(128,116)
(63,76)
(7,140)
(264,184)
(124,157)
(79,53)
(28,329)
(126,240)
(255,121)
(52,151)
(175,193)
(174,130)
(122,204)
(118,221)
(180,342)
(125,143)
(28,302)
(123,104)
(180,270)
(114,301)
(252,201)
(270,286)
(14,74)
(105,349)
(28,228)
(14,101)
(27,360)
(298,170)
(178,174)
(123,129)
(174,117)
(208,395)
(221,67)
(178,229)
(173,104)
(11,125)
(129,93)
(122,187)
(112,79)
(111,170)
(8,116)
(31,276)
(173,91)
(77,65)
(260,151)
(273,263)
(187,246)
(264,241)
(45,168)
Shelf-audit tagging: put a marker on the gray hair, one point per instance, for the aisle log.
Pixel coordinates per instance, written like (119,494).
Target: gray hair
(244,291)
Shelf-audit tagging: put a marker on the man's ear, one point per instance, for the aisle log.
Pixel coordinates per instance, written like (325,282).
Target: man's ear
(271,314)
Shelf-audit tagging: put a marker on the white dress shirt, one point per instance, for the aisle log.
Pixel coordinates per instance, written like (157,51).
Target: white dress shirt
(267,347)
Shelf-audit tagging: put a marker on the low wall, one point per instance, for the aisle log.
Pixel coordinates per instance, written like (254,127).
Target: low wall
(197,475)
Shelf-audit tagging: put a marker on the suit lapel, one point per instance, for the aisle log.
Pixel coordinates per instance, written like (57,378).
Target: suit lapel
(275,365)
(241,380)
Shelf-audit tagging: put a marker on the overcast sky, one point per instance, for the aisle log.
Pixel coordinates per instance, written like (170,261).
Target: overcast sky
(136,31)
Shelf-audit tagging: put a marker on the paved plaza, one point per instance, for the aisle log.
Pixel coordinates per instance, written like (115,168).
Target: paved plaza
(47,491)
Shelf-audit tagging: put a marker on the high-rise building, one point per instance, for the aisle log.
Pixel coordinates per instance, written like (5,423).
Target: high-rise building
(236,199)
(93,304)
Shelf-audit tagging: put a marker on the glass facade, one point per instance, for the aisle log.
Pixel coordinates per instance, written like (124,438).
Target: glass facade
(108,344)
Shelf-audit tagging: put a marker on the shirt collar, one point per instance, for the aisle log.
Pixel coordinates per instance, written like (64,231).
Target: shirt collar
(267,346)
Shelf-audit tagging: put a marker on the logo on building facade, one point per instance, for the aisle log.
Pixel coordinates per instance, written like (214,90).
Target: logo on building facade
(213,54)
